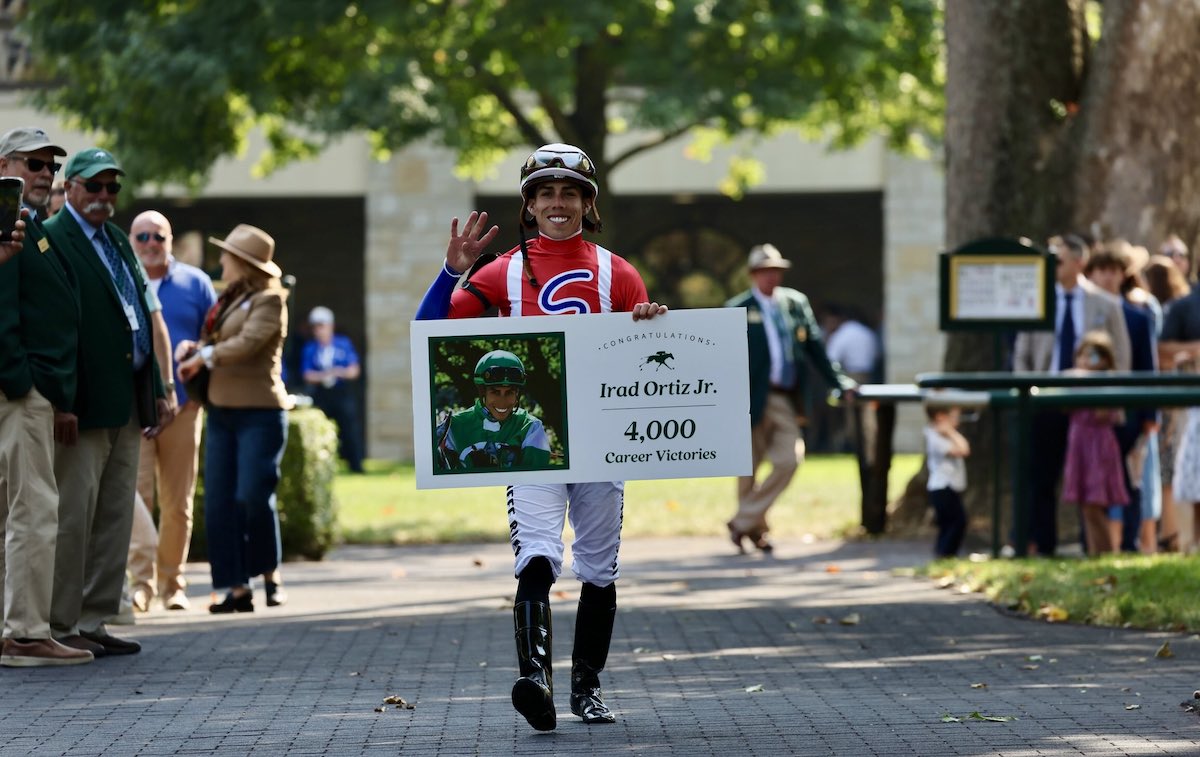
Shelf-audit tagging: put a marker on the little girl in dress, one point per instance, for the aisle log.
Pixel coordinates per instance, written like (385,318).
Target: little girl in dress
(1094,473)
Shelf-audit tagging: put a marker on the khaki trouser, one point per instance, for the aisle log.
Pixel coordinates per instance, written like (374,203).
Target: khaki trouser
(776,438)
(28,515)
(96,480)
(157,559)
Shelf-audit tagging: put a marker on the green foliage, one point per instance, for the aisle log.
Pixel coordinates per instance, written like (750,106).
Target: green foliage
(305,495)
(173,85)
(1155,592)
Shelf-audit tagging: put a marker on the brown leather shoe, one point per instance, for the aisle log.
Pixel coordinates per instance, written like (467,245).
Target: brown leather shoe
(78,642)
(111,644)
(38,653)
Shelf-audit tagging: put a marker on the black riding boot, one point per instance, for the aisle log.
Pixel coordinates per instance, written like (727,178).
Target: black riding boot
(593,634)
(533,693)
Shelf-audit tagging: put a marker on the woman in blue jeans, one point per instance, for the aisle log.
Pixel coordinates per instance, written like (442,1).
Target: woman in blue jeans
(241,346)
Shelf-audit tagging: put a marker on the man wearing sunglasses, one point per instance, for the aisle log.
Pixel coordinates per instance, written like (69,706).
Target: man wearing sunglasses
(156,559)
(39,328)
(120,394)
(555,273)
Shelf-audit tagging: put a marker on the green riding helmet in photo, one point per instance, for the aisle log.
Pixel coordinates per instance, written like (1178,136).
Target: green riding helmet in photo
(495,432)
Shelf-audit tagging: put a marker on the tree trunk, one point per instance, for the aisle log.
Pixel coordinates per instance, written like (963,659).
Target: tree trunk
(1140,167)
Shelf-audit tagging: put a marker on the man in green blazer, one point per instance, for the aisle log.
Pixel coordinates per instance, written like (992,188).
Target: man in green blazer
(783,338)
(39,329)
(120,394)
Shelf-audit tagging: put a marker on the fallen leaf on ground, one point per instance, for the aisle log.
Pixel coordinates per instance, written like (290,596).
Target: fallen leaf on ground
(380,709)
(832,569)
(991,718)
(851,620)
(979,686)
(560,594)
(754,689)
(672,505)
(477,562)
(1164,651)
(1109,580)
(1053,613)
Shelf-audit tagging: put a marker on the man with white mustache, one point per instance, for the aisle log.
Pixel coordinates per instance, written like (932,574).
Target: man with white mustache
(120,393)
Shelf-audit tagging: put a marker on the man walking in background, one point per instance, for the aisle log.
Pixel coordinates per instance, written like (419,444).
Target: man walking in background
(783,336)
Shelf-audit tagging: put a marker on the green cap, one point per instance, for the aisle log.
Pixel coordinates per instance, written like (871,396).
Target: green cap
(87,163)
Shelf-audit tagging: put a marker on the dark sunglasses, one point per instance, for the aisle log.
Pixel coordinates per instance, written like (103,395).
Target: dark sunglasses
(503,374)
(95,186)
(145,236)
(37,164)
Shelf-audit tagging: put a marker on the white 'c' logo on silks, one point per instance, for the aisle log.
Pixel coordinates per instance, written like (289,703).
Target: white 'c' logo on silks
(551,305)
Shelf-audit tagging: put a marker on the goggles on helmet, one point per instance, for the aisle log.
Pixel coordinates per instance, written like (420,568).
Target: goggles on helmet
(558,161)
(502,374)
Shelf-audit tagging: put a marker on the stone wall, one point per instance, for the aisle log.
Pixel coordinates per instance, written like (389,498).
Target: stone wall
(410,201)
(914,232)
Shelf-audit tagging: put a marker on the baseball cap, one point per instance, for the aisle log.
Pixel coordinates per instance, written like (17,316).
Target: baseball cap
(767,256)
(320,314)
(87,163)
(27,139)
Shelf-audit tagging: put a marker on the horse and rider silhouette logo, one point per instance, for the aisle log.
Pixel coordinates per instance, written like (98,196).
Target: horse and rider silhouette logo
(659,359)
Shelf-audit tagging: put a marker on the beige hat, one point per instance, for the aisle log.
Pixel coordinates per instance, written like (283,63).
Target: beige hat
(252,245)
(27,139)
(767,256)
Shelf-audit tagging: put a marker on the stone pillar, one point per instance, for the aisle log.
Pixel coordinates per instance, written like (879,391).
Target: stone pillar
(410,201)
(914,232)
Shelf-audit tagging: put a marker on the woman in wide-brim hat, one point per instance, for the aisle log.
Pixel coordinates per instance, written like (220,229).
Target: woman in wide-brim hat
(241,347)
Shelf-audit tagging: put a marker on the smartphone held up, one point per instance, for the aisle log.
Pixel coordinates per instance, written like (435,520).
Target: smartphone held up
(11,191)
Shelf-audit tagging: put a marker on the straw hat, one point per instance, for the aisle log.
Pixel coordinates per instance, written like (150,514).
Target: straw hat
(252,245)
(766,256)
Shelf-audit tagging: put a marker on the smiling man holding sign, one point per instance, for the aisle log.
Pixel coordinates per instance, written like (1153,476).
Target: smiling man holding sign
(556,273)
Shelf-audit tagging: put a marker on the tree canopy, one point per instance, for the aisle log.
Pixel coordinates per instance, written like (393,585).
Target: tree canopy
(174,85)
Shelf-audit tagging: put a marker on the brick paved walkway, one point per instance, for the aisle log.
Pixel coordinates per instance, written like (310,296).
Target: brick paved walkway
(714,654)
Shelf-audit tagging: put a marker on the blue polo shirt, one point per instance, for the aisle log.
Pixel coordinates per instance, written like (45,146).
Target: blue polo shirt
(186,294)
(339,354)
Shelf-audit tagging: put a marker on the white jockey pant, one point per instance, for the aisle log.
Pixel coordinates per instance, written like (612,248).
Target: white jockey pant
(537,514)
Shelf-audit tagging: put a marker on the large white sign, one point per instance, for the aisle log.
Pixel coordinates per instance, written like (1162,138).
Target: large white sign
(598,398)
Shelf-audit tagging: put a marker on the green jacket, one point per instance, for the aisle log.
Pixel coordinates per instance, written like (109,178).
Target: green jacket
(473,439)
(39,338)
(107,381)
(808,346)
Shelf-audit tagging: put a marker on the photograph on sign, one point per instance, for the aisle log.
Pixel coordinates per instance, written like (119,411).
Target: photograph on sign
(566,399)
(499,403)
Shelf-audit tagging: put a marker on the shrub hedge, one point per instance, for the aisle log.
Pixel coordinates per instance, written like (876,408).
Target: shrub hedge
(307,510)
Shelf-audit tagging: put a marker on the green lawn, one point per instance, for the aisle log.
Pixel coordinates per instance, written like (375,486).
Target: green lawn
(1139,591)
(385,507)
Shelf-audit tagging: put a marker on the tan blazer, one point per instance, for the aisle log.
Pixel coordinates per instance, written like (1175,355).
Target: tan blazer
(1034,350)
(248,353)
